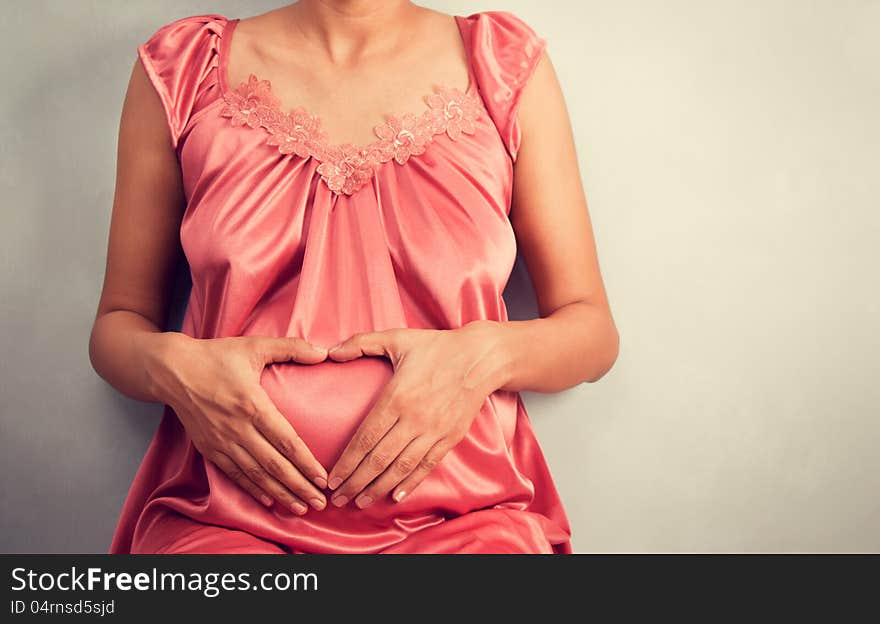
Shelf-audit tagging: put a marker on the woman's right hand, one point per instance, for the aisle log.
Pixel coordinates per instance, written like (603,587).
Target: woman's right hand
(213,385)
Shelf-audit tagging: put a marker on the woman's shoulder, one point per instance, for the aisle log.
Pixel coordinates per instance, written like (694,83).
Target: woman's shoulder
(180,58)
(503,22)
(176,36)
(189,23)
(505,50)
(506,41)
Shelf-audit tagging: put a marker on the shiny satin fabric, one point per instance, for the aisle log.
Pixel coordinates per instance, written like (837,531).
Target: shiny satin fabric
(273,251)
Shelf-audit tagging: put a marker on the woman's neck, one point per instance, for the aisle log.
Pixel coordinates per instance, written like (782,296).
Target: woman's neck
(348,30)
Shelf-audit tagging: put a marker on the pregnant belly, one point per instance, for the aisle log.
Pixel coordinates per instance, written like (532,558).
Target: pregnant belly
(326,402)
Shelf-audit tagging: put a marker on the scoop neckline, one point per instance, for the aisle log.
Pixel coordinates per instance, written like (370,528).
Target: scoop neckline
(228,31)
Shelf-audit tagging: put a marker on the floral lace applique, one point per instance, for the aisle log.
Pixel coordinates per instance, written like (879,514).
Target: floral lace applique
(252,104)
(346,167)
(294,133)
(450,113)
(402,137)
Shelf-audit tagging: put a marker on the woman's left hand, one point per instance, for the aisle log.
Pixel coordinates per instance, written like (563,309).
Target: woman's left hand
(441,378)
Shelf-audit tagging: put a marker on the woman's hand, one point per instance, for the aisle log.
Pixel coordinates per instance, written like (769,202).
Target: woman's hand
(440,381)
(214,387)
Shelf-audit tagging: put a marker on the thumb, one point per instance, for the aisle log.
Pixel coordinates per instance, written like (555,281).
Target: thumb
(287,348)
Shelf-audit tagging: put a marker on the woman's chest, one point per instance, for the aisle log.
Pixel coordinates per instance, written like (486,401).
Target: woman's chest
(257,206)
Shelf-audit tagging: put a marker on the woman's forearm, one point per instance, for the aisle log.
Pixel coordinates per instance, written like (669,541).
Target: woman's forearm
(126,348)
(577,343)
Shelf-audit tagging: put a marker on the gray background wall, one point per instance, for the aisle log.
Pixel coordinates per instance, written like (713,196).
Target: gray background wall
(730,155)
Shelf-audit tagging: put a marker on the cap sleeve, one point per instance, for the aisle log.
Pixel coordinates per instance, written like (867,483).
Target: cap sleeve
(178,58)
(504,53)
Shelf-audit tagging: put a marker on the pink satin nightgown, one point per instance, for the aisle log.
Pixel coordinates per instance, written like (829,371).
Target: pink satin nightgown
(287,234)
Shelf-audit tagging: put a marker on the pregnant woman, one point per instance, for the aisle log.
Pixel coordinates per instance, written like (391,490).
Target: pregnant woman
(349,182)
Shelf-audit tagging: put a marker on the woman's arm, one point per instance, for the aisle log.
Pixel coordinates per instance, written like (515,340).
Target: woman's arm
(213,385)
(575,340)
(143,248)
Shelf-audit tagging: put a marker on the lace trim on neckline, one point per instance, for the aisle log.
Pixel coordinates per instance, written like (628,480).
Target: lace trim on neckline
(346,167)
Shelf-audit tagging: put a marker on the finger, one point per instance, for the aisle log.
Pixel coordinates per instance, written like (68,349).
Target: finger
(374,463)
(428,462)
(372,429)
(287,348)
(256,473)
(234,472)
(402,466)
(279,467)
(280,433)
(366,343)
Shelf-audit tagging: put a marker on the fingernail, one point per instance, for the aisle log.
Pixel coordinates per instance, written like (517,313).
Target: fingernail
(265,500)
(321,482)
(334,348)
(334,483)
(317,503)
(363,500)
(340,500)
(298,508)
(398,496)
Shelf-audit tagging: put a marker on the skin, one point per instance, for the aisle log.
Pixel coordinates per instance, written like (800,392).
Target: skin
(441,377)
